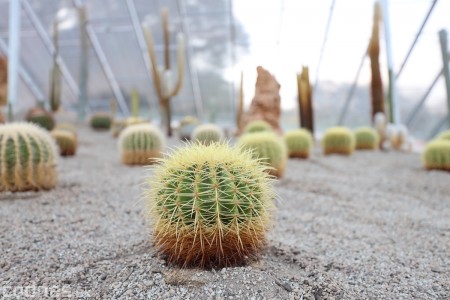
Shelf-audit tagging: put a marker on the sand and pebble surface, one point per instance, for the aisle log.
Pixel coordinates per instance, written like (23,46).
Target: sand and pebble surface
(372,226)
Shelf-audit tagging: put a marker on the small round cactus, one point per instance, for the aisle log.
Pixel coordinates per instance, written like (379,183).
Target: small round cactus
(436,155)
(269,148)
(367,138)
(66,140)
(299,143)
(207,134)
(257,126)
(141,144)
(67,127)
(101,121)
(338,140)
(41,117)
(187,126)
(28,158)
(444,135)
(210,206)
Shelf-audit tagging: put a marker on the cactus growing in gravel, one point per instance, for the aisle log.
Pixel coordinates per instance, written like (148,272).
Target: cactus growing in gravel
(207,134)
(269,148)
(366,138)
(141,144)
(338,140)
(101,121)
(299,143)
(444,135)
(257,126)
(436,155)
(41,117)
(210,206)
(28,158)
(66,140)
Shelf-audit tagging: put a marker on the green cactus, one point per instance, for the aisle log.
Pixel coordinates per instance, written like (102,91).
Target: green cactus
(40,117)
(366,138)
(338,140)
(444,135)
(28,158)
(141,144)
(66,141)
(257,126)
(101,121)
(207,134)
(436,155)
(299,143)
(269,148)
(210,206)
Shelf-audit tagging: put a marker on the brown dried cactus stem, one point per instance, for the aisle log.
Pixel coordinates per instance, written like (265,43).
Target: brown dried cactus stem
(305,104)
(3,80)
(374,54)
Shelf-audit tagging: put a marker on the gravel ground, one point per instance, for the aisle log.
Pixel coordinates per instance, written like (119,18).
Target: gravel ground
(373,226)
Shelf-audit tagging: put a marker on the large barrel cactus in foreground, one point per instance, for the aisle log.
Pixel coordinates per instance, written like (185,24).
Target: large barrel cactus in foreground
(28,158)
(210,205)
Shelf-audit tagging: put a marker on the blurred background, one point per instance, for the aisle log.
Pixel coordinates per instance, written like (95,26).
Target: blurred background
(226,37)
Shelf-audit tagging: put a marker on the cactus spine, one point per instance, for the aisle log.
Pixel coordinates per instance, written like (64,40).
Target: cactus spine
(210,206)
(269,148)
(66,141)
(299,143)
(338,140)
(366,138)
(436,155)
(207,134)
(28,158)
(257,126)
(141,144)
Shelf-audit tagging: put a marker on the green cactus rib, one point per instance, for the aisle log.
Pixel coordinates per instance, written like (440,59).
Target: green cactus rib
(207,134)
(299,143)
(210,205)
(436,155)
(28,158)
(269,148)
(338,140)
(257,126)
(366,138)
(141,144)
(101,121)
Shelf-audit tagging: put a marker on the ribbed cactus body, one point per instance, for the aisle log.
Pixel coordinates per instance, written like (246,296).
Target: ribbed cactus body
(436,155)
(210,205)
(207,134)
(338,140)
(40,117)
(299,143)
(257,126)
(269,148)
(141,144)
(366,138)
(101,121)
(28,158)
(66,141)
(444,135)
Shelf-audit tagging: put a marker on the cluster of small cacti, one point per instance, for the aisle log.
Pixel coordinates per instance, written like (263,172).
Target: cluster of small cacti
(101,121)
(366,138)
(66,141)
(28,158)
(299,143)
(269,148)
(257,126)
(338,140)
(141,144)
(41,117)
(210,206)
(187,126)
(207,134)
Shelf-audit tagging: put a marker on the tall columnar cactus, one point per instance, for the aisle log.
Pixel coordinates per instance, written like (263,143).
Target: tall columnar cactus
(305,101)
(269,148)
(135,105)
(299,143)
(210,206)
(28,158)
(207,134)
(444,135)
(3,80)
(436,155)
(338,140)
(257,126)
(187,127)
(366,138)
(55,74)
(101,121)
(41,117)
(141,144)
(66,141)
(162,75)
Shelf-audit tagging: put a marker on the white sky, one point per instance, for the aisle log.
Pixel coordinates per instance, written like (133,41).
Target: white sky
(284,35)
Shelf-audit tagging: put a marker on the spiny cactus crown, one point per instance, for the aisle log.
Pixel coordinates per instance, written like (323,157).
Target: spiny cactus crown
(209,205)
(366,138)
(257,126)
(340,140)
(299,142)
(207,134)
(28,158)
(437,155)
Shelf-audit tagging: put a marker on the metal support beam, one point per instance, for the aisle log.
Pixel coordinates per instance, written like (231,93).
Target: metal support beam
(438,127)
(444,48)
(26,77)
(43,35)
(198,101)
(98,50)
(14,57)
